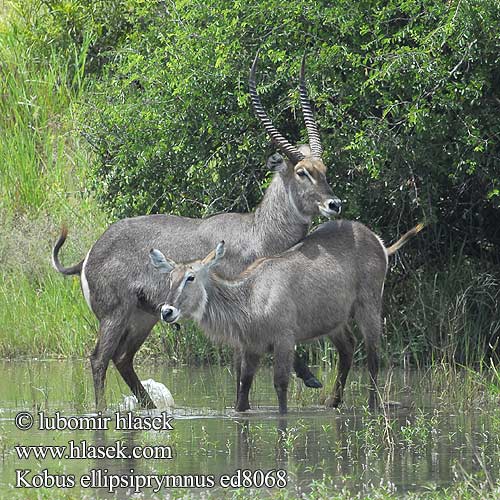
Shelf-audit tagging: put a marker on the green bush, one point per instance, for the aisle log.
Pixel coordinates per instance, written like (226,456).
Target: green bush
(406,95)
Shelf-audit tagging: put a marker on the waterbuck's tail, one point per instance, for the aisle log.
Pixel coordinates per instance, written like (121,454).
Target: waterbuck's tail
(404,239)
(76,269)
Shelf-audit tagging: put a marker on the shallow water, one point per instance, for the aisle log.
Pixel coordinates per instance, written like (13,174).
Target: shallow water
(439,432)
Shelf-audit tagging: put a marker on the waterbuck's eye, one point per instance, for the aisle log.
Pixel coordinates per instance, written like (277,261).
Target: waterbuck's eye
(190,278)
(301,173)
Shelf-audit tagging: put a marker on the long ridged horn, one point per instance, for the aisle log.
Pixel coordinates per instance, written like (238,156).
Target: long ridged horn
(311,125)
(288,149)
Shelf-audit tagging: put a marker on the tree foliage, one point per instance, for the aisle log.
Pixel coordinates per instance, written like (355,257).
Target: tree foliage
(406,94)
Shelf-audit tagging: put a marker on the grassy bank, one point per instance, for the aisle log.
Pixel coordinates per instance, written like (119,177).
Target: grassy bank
(438,310)
(43,178)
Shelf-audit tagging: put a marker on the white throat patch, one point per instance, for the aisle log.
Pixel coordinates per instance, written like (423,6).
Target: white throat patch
(302,218)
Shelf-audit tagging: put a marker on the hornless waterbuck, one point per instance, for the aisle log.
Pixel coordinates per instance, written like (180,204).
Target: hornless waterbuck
(123,289)
(313,289)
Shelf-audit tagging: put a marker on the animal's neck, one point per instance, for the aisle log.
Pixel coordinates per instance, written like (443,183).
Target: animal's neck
(227,310)
(278,221)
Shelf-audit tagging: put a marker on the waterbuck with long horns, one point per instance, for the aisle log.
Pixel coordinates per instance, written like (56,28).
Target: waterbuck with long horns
(123,290)
(313,289)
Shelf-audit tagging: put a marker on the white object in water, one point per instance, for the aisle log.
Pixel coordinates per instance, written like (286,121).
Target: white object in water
(160,395)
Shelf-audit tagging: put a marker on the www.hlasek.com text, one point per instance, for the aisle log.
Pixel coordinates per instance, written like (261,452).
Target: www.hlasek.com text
(83,450)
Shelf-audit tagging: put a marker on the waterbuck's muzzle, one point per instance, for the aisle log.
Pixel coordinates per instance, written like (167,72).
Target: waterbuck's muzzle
(169,314)
(332,206)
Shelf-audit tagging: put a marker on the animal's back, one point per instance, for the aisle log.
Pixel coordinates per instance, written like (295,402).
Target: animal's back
(118,266)
(350,243)
(314,286)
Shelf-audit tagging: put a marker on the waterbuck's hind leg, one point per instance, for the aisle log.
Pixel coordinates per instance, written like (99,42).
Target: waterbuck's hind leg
(111,331)
(373,366)
(237,370)
(99,366)
(249,365)
(368,316)
(140,325)
(344,341)
(283,362)
(302,371)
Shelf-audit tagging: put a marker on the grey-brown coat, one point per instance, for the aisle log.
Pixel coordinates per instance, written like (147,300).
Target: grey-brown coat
(314,289)
(122,289)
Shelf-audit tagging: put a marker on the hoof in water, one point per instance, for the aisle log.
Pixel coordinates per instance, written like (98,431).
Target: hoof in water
(313,383)
(332,402)
(392,405)
(241,408)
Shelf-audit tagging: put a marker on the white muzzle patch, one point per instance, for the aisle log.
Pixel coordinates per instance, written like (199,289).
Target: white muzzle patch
(169,314)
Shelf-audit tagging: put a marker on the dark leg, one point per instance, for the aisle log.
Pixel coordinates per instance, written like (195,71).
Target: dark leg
(126,368)
(372,359)
(302,371)
(237,371)
(140,327)
(110,334)
(249,364)
(369,319)
(344,342)
(99,367)
(283,361)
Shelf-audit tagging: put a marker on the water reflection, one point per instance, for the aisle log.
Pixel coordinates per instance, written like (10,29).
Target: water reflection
(428,439)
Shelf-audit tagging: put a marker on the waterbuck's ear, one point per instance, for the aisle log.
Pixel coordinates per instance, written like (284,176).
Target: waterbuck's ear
(160,262)
(276,163)
(215,255)
(220,250)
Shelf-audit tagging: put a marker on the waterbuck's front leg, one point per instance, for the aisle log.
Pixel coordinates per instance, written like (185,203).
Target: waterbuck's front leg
(299,366)
(237,371)
(283,361)
(249,364)
(140,326)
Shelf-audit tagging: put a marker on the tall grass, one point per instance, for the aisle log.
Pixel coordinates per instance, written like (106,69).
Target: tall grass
(43,168)
(446,312)
(41,312)
(41,159)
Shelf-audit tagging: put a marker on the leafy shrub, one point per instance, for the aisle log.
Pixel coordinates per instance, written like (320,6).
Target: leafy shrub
(405,95)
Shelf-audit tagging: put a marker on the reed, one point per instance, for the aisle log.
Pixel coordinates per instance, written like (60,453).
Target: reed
(43,172)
